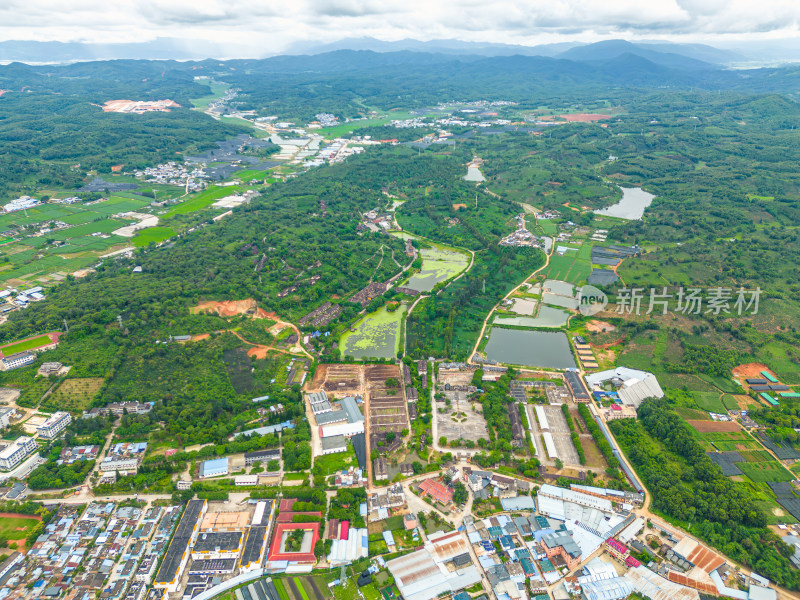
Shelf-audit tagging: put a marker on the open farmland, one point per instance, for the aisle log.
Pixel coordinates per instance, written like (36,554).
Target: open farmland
(765,471)
(387,406)
(302,588)
(73,395)
(341,380)
(714,426)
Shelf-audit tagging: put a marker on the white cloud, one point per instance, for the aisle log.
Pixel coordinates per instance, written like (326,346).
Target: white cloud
(271,26)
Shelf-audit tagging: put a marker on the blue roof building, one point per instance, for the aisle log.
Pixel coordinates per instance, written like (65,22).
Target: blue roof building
(214,468)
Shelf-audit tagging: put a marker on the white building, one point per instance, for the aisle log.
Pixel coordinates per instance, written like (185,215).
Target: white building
(21,203)
(348,430)
(123,464)
(5,416)
(20,359)
(16,452)
(54,425)
(633,386)
(245,480)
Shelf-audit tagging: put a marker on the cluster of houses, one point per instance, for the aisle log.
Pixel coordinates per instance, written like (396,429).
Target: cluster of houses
(107,550)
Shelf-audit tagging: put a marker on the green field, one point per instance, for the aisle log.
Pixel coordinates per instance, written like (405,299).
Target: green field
(152,235)
(692,414)
(28,344)
(765,471)
(574,266)
(249,174)
(17,528)
(202,200)
(376,335)
(709,401)
(217,90)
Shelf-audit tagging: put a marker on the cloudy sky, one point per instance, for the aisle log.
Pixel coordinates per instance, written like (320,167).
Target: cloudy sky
(270,26)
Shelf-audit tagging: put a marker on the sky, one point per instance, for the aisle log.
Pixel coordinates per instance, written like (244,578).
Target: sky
(263,27)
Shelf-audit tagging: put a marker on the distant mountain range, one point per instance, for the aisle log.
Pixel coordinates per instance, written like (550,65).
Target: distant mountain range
(684,57)
(63,52)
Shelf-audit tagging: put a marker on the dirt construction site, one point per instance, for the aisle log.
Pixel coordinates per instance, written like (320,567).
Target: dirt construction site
(385,407)
(751,371)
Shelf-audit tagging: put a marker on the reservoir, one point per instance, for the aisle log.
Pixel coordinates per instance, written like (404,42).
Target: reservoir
(530,348)
(630,207)
(474,174)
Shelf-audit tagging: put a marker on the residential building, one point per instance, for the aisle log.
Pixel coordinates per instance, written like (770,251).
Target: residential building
(561,544)
(17,451)
(54,425)
(125,457)
(50,368)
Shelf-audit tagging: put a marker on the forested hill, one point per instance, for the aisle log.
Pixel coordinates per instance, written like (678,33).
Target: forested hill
(262,249)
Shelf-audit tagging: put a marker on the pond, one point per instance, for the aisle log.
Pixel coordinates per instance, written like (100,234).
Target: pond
(439,263)
(474,174)
(547,317)
(549,349)
(630,207)
(376,335)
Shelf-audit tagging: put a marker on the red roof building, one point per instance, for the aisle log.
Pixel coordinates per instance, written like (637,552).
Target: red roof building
(287,504)
(439,492)
(286,517)
(293,557)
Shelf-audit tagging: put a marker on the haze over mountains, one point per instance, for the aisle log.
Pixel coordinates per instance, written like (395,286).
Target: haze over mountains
(681,56)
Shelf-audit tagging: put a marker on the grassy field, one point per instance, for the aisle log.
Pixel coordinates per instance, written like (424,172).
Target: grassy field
(74,395)
(376,335)
(17,527)
(202,200)
(330,463)
(23,345)
(574,266)
(692,414)
(152,235)
(248,174)
(709,401)
(217,90)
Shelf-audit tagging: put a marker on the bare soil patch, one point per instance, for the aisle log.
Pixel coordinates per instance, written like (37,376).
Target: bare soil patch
(714,426)
(596,326)
(751,371)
